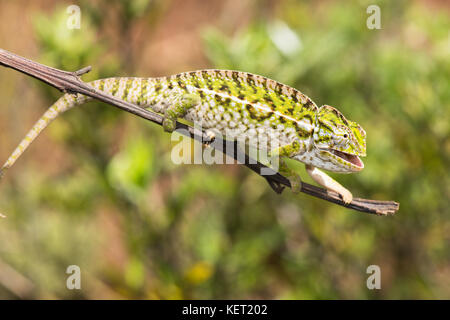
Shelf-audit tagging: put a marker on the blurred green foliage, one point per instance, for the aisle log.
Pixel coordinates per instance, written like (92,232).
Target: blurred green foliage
(140,226)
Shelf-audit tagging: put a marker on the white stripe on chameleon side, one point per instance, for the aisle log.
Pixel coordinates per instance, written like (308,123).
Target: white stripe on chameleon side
(302,124)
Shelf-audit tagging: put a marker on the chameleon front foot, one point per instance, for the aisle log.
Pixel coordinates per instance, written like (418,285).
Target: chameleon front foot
(346,195)
(288,150)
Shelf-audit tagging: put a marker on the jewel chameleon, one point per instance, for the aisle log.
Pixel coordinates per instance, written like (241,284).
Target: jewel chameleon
(248,106)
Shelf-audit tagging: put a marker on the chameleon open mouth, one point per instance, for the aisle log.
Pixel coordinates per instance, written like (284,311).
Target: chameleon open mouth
(351,158)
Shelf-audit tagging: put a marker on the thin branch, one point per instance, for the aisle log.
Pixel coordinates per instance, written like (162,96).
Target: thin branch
(70,82)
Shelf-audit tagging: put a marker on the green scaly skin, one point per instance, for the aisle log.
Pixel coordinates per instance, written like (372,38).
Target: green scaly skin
(264,113)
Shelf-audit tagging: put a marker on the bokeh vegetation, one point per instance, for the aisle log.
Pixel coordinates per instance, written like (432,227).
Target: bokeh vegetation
(99,190)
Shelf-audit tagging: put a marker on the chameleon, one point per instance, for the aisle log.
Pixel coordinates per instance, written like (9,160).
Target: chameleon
(246,105)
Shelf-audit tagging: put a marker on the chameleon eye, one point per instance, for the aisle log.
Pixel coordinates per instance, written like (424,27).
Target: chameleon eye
(345,135)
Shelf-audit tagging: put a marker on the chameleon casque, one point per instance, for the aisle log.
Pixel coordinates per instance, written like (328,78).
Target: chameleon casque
(246,106)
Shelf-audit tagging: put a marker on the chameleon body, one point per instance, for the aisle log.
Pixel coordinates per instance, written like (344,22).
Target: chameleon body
(244,106)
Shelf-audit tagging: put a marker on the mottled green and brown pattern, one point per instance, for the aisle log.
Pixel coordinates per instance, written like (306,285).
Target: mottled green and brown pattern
(263,112)
(240,104)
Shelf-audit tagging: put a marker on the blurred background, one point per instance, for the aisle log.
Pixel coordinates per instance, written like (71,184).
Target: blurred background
(98,188)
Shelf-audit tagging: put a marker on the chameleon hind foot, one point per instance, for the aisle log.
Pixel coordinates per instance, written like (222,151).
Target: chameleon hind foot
(178,109)
(169,125)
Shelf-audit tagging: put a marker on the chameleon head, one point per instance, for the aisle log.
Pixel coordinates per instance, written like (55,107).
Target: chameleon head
(337,142)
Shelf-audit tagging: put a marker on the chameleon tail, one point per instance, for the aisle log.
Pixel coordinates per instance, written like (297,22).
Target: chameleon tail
(117,85)
(63,104)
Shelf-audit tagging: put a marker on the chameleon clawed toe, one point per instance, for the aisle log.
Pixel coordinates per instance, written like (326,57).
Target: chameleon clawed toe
(347,196)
